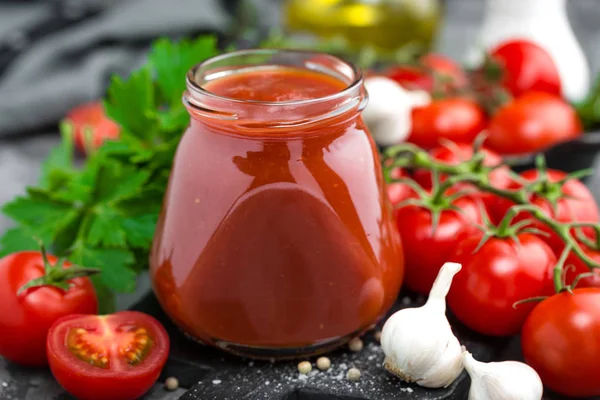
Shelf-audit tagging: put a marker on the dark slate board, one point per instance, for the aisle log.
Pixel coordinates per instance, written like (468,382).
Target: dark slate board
(213,375)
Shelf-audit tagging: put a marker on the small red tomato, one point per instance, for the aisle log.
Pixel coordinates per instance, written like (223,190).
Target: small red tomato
(456,119)
(117,357)
(526,67)
(91,116)
(492,279)
(458,152)
(28,315)
(560,341)
(574,266)
(397,191)
(422,76)
(425,251)
(532,122)
(574,202)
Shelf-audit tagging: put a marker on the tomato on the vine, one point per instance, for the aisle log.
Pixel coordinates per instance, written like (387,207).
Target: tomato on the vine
(502,272)
(426,250)
(560,341)
(456,153)
(456,119)
(397,191)
(525,67)
(423,76)
(91,117)
(118,356)
(30,312)
(574,202)
(532,122)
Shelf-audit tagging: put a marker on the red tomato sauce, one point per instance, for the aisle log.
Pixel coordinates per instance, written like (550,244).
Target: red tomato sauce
(281,241)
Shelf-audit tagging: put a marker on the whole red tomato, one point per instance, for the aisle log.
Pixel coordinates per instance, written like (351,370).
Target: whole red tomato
(496,276)
(91,117)
(425,250)
(526,67)
(560,341)
(117,357)
(532,122)
(423,75)
(574,266)
(27,317)
(575,203)
(456,119)
(456,153)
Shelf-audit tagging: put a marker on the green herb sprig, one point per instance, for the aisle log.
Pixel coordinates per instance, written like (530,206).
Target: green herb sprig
(104,213)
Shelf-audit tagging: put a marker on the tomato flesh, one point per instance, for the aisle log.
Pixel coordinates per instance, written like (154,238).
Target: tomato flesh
(118,356)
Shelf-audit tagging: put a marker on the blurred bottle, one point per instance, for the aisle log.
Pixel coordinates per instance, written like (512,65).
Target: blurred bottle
(386,26)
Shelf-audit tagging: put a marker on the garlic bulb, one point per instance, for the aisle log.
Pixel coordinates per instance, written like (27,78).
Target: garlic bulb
(507,380)
(388,113)
(418,342)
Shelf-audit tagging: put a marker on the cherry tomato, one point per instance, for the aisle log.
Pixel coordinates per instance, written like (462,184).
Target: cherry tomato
(91,116)
(27,317)
(532,122)
(422,76)
(526,67)
(456,153)
(492,279)
(425,251)
(574,266)
(456,119)
(560,341)
(576,204)
(398,191)
(117,357)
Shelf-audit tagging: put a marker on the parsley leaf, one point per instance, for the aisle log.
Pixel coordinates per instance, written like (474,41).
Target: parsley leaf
(104,213)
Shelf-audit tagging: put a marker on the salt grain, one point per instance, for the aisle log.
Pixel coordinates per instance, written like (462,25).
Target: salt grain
(216,382)
(4,384)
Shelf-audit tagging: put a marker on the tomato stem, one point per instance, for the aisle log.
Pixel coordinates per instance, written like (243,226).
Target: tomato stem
(469,171)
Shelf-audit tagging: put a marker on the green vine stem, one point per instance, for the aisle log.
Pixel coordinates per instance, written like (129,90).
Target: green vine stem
(472,172)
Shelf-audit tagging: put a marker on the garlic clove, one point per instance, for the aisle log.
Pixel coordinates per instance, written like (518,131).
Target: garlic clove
(388,113)
(419,344)
(507,380)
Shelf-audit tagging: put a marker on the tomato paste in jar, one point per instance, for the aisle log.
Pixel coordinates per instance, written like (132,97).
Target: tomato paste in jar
(276,237)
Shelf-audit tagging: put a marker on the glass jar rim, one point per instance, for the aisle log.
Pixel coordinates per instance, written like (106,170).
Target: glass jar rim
(353,82)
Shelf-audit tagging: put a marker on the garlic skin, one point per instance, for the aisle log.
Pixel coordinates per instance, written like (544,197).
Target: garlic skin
(418,342)
(388,113)
(507,380)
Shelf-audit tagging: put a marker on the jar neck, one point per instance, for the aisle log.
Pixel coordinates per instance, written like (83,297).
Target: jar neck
(256,118)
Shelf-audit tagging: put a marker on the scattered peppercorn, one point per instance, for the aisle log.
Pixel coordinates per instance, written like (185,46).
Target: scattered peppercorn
(304,367)
(353,374)
(355,345)
(377,336)
(171,384)
(323,363)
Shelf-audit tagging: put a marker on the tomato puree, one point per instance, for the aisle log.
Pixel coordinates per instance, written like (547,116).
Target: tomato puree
(276,238)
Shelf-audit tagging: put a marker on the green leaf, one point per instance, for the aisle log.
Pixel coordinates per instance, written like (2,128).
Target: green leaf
(105,229)
(35,211)
(114,263)
(58,166)
(139,230)
(17,239)
(107,301)
(172,61)
(131,103)
(131,181)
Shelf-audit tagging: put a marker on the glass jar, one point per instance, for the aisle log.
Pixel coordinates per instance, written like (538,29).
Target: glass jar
(276,238)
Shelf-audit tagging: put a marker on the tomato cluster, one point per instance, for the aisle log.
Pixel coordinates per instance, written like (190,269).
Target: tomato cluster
(49,317)
(508,256)
(515,96)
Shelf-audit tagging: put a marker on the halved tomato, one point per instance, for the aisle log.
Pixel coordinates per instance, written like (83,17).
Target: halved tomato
(117,356)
